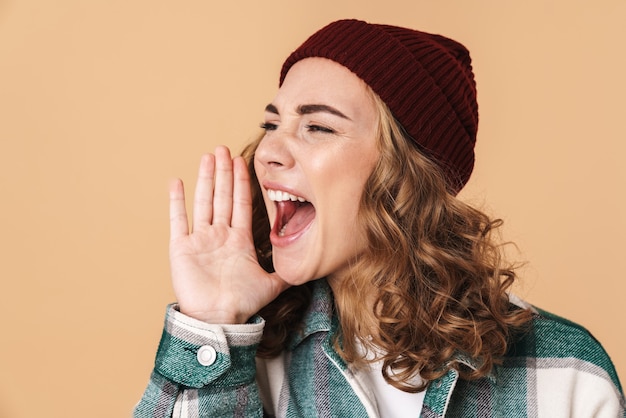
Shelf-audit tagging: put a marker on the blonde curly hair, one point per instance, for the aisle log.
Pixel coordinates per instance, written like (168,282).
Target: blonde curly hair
(437,274)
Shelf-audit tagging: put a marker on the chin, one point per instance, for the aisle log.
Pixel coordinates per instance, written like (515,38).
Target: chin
(292,274)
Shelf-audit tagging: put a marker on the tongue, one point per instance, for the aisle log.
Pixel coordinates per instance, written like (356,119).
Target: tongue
(291,216)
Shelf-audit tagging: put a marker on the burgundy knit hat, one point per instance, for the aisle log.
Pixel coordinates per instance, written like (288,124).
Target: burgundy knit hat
(426,80)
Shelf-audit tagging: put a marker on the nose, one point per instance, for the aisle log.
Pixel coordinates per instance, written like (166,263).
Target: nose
(274,150)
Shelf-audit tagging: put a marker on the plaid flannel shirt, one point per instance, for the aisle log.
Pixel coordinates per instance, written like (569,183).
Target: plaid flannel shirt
(556,370)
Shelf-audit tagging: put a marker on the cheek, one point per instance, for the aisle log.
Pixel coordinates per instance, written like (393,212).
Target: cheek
(344,186)
(349,171)
(360,171)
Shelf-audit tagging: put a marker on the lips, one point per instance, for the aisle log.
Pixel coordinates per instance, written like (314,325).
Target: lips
(293,216)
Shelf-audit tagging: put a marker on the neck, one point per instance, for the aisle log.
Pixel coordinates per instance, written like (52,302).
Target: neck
(355,302)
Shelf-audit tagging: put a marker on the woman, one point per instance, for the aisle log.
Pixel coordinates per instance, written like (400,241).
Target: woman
(343,277)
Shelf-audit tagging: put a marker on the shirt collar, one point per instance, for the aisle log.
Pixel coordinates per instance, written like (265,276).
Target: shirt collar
(320,317)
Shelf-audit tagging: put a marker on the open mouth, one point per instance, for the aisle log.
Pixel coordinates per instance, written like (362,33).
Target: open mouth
(293,213)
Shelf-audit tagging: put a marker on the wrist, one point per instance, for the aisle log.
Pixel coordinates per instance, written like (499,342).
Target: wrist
(214,317)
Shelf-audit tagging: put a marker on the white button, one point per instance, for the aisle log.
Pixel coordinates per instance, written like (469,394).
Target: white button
(206,355)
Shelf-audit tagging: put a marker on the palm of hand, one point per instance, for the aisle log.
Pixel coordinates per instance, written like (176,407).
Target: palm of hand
(215,273)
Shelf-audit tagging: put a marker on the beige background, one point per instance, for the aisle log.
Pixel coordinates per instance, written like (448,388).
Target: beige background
(102,101)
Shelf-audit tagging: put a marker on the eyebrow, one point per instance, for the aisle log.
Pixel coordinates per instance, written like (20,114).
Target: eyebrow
(310,108)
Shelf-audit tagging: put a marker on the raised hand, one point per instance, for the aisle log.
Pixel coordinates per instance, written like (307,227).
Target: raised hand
(215,272)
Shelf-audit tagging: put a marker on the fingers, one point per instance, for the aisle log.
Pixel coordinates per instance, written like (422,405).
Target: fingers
(203,196)
(242,199)
(223,192)
(179,225)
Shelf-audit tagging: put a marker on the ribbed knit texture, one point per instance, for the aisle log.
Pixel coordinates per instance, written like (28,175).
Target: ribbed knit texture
(425,79)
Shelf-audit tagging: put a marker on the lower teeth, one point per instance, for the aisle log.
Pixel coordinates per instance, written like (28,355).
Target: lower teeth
(281,233)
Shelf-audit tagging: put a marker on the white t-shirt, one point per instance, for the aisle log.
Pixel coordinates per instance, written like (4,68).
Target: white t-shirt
(392,402)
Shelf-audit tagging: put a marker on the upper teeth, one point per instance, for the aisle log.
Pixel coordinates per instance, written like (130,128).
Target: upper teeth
(280,196)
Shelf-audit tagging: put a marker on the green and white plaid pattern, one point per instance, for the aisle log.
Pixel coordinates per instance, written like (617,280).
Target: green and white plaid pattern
(557,370)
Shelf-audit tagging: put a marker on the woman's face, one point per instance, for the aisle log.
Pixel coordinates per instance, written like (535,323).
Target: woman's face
(319,149)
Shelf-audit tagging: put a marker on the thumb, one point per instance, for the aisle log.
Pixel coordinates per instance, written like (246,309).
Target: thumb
(278,284)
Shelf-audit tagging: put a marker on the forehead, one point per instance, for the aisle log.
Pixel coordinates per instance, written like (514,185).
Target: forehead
(322,81)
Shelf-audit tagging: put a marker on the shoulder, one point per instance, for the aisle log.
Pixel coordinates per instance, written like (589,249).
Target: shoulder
(561,359)
(550,339)
(553,341)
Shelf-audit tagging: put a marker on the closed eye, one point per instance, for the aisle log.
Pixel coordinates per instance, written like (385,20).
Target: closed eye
(318,128)
(268,126)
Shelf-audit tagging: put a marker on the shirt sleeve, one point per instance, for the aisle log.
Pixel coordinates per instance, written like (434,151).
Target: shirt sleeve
(203,370)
